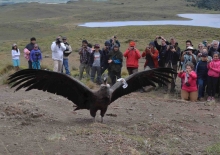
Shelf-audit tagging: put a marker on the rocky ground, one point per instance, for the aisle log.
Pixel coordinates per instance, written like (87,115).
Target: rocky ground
(36,122)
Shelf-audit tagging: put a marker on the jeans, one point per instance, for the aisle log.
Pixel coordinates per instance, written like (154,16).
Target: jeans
(94,70)
(201,87)
(29,64)
(83,67)
(36,65)
(212,82)
(66,66)
(114,75)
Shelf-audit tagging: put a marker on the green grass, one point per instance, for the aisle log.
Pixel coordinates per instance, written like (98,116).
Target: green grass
(214,149)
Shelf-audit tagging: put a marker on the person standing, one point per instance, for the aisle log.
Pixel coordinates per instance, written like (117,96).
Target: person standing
(95,64)
(84,53)
(113,41)
(15,52)
(132,56)
(36,57)
(213,76)
(57,48)
(66,54)
(151,55)
(115,64)
(105,52)
(29,47)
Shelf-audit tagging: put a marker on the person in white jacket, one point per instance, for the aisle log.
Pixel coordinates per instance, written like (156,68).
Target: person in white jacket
(15,56)
(57,49)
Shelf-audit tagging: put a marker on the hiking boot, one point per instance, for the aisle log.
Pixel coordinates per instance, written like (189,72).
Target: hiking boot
(201,99)
(209,98)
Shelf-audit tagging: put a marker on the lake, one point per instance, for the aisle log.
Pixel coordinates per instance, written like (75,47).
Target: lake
(204,20)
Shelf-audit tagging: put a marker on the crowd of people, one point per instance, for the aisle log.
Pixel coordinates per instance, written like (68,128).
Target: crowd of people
(198,69)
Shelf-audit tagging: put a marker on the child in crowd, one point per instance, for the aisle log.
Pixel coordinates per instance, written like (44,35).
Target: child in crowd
(202,74)
(36,57)
(213,75)
(189,87)
(15,56)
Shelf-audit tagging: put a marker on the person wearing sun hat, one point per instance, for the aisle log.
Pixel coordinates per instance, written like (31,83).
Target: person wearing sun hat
(132,55)
(15,52)
(188,56)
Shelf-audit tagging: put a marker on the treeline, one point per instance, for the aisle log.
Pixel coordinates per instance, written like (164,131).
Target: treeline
(208,4)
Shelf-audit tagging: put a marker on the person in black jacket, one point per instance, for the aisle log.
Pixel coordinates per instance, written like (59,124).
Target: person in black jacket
(115,64)
(215,46)
(30,47)
(114,41)
(105,52)
(95,62)
(171,59)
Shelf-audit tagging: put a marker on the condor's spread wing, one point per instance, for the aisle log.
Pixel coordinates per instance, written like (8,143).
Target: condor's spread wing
(55,83)
(141,79)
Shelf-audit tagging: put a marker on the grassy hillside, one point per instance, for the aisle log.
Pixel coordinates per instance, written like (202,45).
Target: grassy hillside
(208,4)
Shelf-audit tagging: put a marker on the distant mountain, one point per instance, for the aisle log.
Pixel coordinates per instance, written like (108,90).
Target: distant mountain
(208,4)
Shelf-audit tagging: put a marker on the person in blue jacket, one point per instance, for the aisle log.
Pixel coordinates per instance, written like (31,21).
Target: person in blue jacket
(36,57)
(115,63)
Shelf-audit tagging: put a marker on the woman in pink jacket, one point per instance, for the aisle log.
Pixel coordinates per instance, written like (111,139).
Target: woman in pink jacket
(189,87)
(213,76)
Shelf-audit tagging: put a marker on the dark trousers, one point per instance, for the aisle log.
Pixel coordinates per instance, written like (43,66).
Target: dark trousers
(132,70)
(114,75)
(201,87)
(29,64)
(212,82)
(94,70)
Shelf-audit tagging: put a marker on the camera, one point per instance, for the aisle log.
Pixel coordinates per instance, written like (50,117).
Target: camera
(159,37)
(58,41)
(171,47)
(187,84)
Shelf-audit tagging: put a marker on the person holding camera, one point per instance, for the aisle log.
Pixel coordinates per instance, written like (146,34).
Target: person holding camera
(151,55)
(36,57)
(171,59)
(84,53)
(66,54)
(113,41)
(132,56)
(57,48)
(188,56)
(189,90)
(162,49)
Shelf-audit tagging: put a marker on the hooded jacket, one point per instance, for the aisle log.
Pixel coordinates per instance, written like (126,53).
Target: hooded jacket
(117,59)
(132,57)
(214,68)
(191,80)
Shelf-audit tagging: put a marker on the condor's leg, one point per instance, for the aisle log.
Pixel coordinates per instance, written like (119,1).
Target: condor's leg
(102,113)
(93,113)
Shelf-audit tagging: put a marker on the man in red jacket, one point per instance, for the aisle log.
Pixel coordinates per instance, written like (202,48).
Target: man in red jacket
(132,56)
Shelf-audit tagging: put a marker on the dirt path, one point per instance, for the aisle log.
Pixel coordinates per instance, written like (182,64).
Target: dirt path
(35,123)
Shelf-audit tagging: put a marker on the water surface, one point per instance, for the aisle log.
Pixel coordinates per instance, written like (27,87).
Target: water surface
(205,20)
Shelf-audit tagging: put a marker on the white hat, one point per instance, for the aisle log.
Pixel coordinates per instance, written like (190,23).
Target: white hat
(190,48)
(13,45)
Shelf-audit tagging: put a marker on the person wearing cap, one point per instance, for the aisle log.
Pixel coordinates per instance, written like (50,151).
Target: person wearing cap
(29,47)
(57,48)
(95,62)
(15,52)
(84,53)
(202,74)
(113,41)
(66,54)
(115,64)
(105,51)
(151,55)
(132,56)
(188,56)
(171,59)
